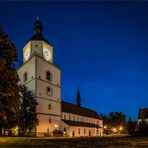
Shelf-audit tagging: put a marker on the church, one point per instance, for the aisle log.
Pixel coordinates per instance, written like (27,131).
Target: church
(41,76)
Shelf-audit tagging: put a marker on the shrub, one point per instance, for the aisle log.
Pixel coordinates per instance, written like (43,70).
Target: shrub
(57,132)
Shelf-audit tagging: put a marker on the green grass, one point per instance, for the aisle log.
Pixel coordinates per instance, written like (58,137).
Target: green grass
(108,142)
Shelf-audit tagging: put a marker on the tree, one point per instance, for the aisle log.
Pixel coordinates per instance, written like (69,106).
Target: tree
(105,119)
(9,90)
(106,124)
(131,126)
(28,116)
(117,119)
(142,128)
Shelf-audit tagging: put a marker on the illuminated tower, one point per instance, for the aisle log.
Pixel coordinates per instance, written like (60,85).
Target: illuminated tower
(41,76)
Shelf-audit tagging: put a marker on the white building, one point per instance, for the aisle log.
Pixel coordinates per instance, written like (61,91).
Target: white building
(41,76)
(143,115)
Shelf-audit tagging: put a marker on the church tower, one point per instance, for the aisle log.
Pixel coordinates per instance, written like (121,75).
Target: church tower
(41,76)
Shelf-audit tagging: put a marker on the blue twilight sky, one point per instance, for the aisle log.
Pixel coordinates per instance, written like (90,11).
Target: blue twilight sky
(102,46)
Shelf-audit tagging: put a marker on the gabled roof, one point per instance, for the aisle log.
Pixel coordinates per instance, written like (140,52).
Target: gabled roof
(75,109)
(81,124)
(143,113)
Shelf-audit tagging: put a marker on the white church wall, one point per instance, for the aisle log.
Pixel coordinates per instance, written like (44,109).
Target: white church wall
(140,120)
(78,131)
(29,68)
(47,124)
(75,117)
(84,131)
(65,126)
(48,106)
(43,66)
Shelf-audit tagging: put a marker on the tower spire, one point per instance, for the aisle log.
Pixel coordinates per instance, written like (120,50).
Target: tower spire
(78,99)
(38,27)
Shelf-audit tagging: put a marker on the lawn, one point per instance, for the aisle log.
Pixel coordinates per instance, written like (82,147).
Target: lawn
(108,142)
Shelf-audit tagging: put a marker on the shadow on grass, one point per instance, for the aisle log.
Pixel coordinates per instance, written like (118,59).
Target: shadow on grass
(107,142)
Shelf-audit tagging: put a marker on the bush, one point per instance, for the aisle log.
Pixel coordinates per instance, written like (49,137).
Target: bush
(57,132)
(46,135)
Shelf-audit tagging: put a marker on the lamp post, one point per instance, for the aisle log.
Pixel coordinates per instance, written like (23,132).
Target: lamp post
(56,126)
(120,129)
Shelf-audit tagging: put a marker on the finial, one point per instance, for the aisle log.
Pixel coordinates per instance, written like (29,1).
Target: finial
(38,28)
(37,18)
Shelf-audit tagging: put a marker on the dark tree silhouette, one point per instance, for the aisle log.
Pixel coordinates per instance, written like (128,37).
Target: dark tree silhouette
(114,120)
(131,126)
(28,116)
(142,128)
(9,90)
(117,119)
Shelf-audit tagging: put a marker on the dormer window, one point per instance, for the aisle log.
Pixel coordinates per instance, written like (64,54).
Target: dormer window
(25,77)
(48,76)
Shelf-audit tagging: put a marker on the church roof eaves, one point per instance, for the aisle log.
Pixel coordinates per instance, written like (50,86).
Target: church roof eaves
(39,37)
(81,124)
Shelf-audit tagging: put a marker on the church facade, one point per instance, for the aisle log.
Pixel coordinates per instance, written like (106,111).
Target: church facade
(41,76)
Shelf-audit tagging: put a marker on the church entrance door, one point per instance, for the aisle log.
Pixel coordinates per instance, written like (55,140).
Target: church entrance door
(89,133)
(73,133)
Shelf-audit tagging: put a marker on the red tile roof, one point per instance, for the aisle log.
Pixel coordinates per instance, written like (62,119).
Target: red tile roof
(81,124)
(75,109)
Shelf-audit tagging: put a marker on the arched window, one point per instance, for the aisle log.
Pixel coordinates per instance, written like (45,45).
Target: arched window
(49,120)
(48,76)
(65,116)
(79,131)
(49,106)
(25,77)
(69,117)
(84,131)
(49,91)
(97,132)
(64,129)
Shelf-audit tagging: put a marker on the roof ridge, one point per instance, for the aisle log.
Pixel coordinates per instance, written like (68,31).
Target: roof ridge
(79,106)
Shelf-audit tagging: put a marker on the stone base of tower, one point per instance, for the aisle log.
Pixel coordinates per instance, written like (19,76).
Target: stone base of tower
(47,124)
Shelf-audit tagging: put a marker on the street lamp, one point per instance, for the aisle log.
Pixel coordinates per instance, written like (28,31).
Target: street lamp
(55,125)
(114,130)
(120,128)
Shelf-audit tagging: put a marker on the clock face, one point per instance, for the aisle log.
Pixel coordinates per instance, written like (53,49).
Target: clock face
(27,54)
(47,54)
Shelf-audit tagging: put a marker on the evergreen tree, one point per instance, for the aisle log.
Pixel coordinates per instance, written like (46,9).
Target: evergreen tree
(9,90)
(28,116)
